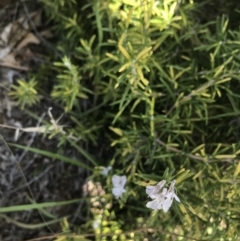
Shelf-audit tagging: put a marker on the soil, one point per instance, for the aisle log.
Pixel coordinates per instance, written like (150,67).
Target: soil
(49,180)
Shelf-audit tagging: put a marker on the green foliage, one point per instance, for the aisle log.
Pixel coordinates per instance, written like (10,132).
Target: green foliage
(68,87)
(163,88)
(25,92)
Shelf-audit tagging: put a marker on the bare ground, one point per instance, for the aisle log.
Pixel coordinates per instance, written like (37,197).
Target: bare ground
(49,180)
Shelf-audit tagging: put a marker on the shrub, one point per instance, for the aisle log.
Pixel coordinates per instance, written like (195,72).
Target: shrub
(152,88)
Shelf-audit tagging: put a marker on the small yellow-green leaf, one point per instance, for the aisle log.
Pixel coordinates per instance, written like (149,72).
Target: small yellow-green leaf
(124,52)
(229,180)
(219,70)
(144,81)
(129,17)
(85,44)
(142,183)
(143,52)
(184,176)
(112,57)
(124,67)
(171,72)
(181,73)
(198,174)
(230,194)
(198,148)
(191,209)
(225,26)
(217,48)
(92,40)
(135,104)
(184,211)
(114,143)
(217,149)
(216,175)
(237,170)
(116,130)
(223,80)
(180,171)
(225,156)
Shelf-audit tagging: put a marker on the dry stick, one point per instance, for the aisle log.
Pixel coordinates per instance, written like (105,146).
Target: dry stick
(179,151)
(168,147)
(112,234)
(32,138)
(18,67)
(29,144)
(188,97)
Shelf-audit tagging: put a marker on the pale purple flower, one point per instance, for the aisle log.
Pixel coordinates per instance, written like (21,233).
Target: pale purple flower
(152,191)
(161,200)
(118,192)
(118,185)
(157,202)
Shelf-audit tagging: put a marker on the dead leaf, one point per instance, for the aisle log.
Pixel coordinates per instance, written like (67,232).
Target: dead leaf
(46,33)
(10,59)
(5,33)
(15,37)
(17,33)
(10,62)
(30,38)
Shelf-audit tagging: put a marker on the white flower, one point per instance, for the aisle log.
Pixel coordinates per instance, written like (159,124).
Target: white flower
(119,180)
(118,192)
(171,191)
(157,203)
(106,170)
(118,185)
(162,200)
(167,203)
(152,191)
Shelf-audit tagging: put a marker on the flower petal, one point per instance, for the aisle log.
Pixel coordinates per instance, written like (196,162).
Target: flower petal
(119,180)
(167,203)
(123,180)
(118,192)
(115,180)
(161,200)
(176,198)
(153,191)
(155,204)
(161,184)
